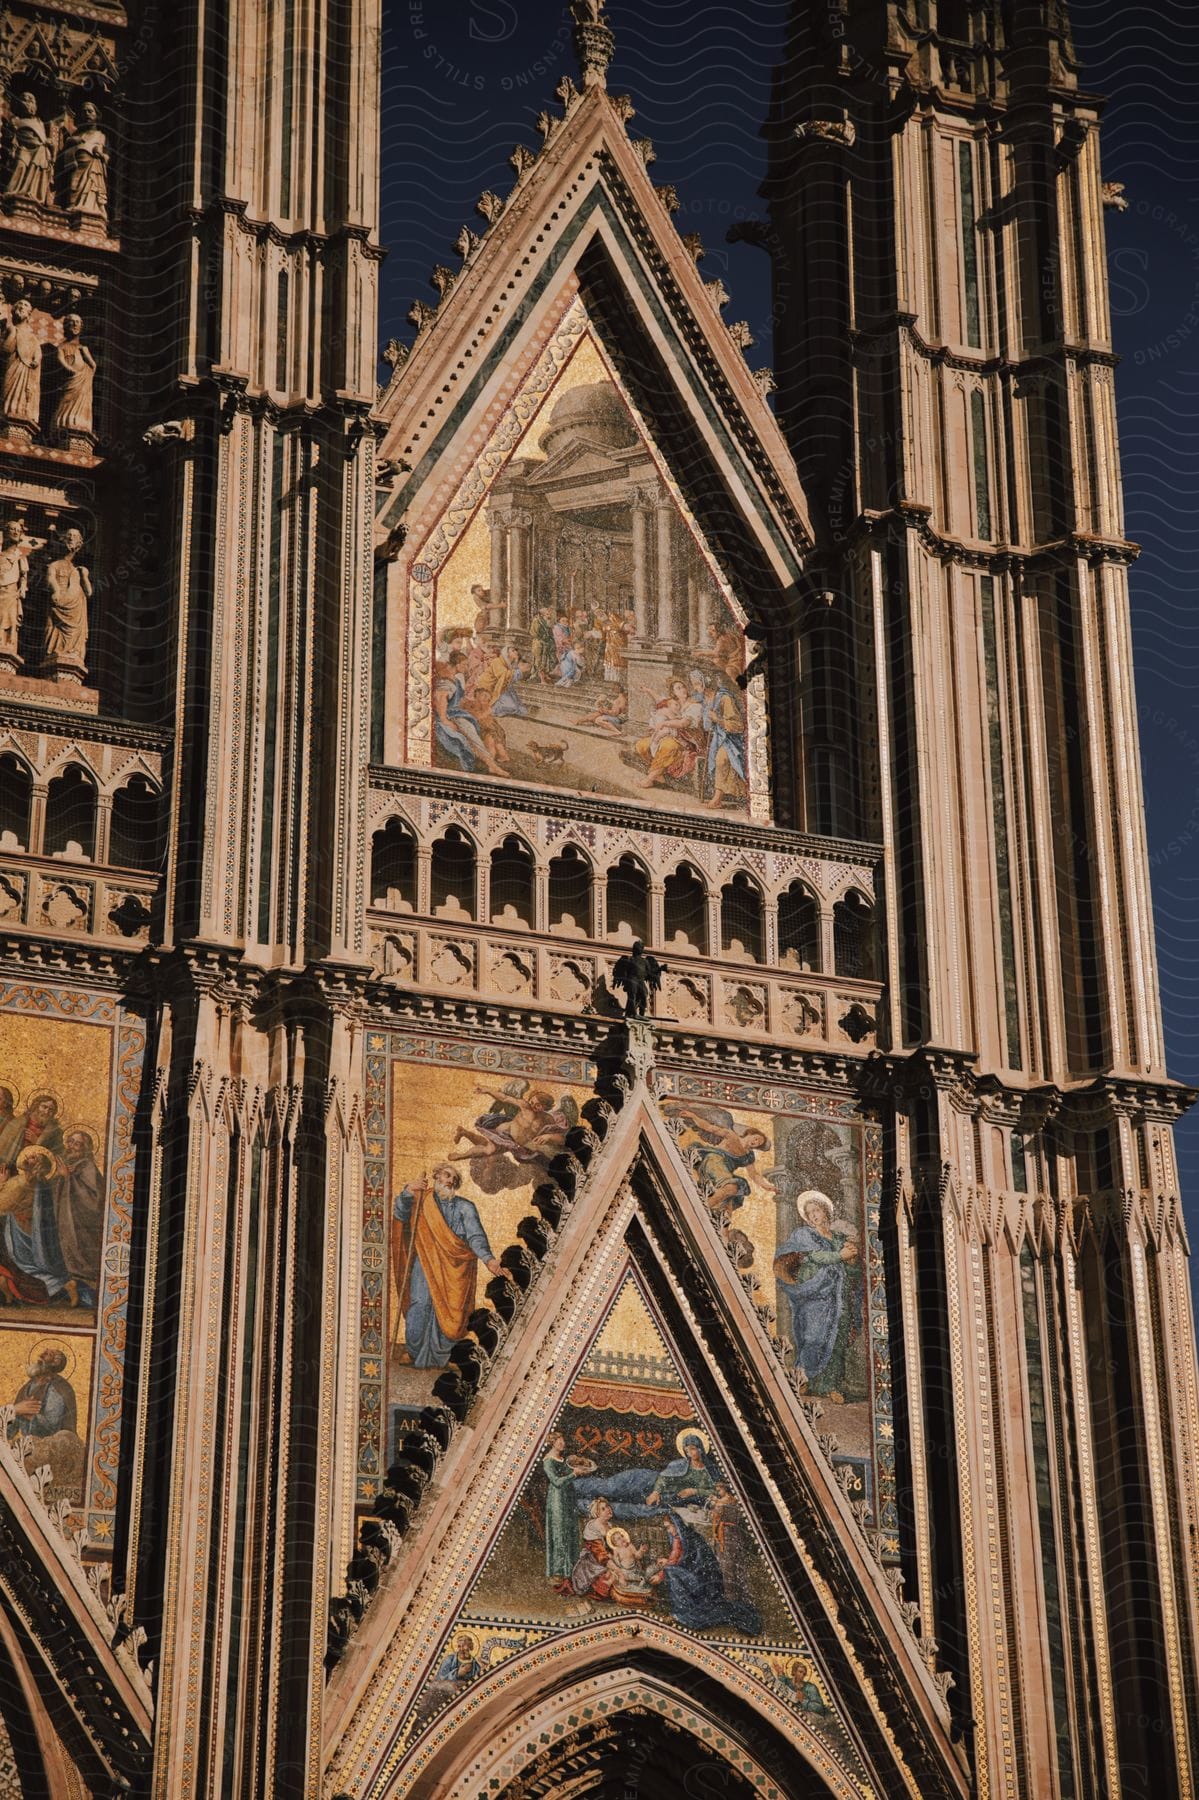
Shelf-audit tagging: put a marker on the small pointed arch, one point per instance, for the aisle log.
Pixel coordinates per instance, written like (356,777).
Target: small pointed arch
(513,883)
(74,753)
(742,919)
(685,910)
(799,927)
(136,839)
(627,896)
(394,866)
(16,801)
(855,946)
(453,875)
(572,892)
(71,813)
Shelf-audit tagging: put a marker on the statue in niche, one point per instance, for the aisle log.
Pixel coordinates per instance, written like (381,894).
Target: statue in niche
(70,589)
(21,371)
(83,166)
(73,410)
(14,585)
(32,169)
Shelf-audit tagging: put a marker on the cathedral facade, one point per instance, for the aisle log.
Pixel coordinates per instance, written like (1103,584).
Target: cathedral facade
(587,1201)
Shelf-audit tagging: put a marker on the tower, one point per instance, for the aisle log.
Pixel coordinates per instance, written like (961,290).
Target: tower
(945,376)
(214,222)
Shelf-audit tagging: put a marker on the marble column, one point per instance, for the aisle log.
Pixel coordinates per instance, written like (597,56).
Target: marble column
(499,563)
(665,571)
(103,841)
(705,611)
(657,913)
(641,562)
(519,608)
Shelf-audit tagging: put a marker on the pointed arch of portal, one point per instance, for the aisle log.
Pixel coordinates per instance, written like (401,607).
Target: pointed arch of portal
(613,1701)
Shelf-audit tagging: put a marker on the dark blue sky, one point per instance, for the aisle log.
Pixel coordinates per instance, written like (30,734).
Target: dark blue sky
(464,81)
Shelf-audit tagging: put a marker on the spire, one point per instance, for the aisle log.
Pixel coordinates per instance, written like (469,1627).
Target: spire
(594,40)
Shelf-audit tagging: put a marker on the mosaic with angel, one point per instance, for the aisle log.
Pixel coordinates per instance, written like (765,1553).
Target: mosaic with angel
(467,1151)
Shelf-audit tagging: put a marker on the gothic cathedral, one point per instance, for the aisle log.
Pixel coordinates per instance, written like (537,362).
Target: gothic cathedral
(587,1203)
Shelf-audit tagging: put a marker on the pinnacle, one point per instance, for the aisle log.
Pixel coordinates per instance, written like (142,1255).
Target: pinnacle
(593,39)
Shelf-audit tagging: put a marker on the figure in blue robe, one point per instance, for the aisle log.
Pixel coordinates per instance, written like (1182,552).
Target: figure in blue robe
(33,1248)
(458,733)
(694,1585)
(819,1273)
(694,1473)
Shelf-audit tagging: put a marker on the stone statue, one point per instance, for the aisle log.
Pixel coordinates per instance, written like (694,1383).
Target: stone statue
(21,370)
(73,410)
(32,169)
(639,974)
(83,166)
(70,589)
(14,585)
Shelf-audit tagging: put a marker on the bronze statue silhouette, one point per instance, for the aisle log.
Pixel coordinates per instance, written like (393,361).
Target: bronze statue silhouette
(640,975)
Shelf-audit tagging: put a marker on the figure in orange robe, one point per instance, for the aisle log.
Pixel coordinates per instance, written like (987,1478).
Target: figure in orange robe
(437,1237)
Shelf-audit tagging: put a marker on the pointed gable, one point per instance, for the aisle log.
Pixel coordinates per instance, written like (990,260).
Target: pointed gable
(603,540)
(639,1332)
(585,217)
(629,1511)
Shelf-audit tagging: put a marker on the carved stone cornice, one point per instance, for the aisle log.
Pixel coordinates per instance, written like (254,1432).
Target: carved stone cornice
(895,1076)
(387,1003)
(677,1047)
(266,231)
(999,559)
(491,793)
(1116,1096)
(878,338)
(90,728)
(36,956)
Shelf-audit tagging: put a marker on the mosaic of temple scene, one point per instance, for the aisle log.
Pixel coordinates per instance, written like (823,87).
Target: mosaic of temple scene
(54,1126)
(583,641)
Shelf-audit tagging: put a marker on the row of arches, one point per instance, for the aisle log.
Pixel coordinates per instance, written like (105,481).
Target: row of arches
(69,818)
(572,897)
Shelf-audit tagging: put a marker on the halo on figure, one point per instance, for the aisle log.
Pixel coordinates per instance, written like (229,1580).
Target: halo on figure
(692,1431)
(94,1136)
(807,1198)
(11,1087)
(616,1534)
(37,1153)
(63,1346)
(43,1093)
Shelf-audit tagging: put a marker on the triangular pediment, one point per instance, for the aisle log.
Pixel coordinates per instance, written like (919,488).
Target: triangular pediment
(629,1512)
(639,1333)
(585,217)
(583,476)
